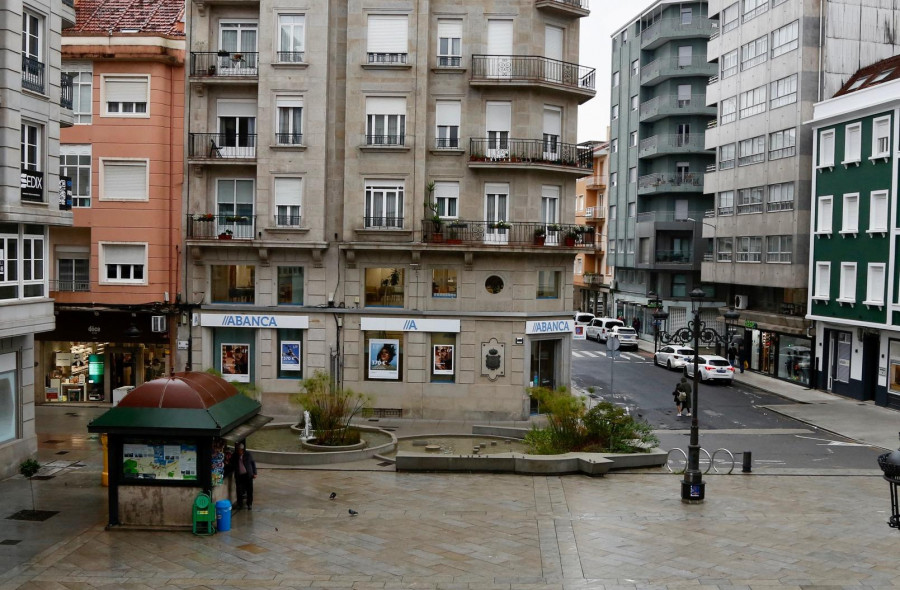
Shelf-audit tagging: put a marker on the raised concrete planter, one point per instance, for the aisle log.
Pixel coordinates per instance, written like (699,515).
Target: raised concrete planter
(326,457)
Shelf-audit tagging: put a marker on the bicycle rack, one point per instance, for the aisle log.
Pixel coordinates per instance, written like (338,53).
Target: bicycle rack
(710,460)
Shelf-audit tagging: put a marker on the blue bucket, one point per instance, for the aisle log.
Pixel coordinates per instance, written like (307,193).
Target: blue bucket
(223,515)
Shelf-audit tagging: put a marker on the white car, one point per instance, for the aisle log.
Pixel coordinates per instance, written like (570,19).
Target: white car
(583,318)
(672,357)
(600,327)
(711,368)
(628,337)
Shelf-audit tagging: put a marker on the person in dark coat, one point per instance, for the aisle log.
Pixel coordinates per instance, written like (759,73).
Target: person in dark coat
(244,468)
(732,355)
(682,395)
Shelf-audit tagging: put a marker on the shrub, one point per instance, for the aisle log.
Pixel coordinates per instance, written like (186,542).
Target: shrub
(330,409)
(610,428)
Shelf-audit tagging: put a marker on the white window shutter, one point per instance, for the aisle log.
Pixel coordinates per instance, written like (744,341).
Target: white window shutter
(387,34)
(449,29)
(447,112)
(498,116)
(236,108)
(500,37)
(125,180)
(288,191)
(126,89)
(123,253)
(553,43)
(552,121)
(288,102)
(446,190)
(385,105)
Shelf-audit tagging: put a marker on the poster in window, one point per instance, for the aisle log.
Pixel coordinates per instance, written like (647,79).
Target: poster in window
(443,359)
(236,362)
(383,359)
(290,355)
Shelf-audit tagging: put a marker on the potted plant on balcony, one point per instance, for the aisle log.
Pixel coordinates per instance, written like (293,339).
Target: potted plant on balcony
(570,238)
(454,236)
(501,225)
(540,235)
(204,217)
(223,53)
(437,228)
(226,234)
(236,219)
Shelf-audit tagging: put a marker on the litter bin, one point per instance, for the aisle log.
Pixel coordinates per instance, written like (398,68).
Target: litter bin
(223,515)
(204,520)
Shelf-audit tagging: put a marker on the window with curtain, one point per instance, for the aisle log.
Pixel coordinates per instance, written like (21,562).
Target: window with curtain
(234,205)
(726,156)
(724,249)
(783,91)
(124,180)
(785,38)
(386,41)
(728,110)
(447,121)
(730,17)
(82,73)
(781,197)
(289,115)
(750,200)
(753,102)
(779,249)
(755,52)
(385,121)
(752,151)
(728,64)
(384,204)
(33,257)
(749,249)
(446,197)
(288,201)
(449,49)
(726,203)
(291,38)
(123,263)
(783,144)
(548,284)
(552,132)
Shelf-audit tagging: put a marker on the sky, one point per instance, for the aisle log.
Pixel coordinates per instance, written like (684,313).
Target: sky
(595,51)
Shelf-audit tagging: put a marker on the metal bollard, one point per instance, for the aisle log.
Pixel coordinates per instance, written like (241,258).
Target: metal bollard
(748,458)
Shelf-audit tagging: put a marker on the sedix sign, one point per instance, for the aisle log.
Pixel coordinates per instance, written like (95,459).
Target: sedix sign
(549,326)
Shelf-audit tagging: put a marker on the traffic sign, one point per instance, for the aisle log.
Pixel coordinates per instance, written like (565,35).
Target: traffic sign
(612,343)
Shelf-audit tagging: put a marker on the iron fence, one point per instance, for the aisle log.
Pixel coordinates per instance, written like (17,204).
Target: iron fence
(532,68)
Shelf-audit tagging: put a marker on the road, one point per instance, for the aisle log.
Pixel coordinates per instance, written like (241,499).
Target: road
(734,417)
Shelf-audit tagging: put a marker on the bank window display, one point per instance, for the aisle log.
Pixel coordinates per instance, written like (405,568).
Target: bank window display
(384,287)
(290,285)
(8,413)
(548,284)
(232,283)
(383,356)
(795,359)
(290,359)
(234,361)
(443,358)
(443,283)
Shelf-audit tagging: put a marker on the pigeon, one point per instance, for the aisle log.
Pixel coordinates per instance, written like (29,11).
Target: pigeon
(353,512)
(332,496)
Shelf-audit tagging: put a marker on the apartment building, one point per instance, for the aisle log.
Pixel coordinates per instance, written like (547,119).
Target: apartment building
(114,274)
(367,186)
(774,59)
(593,274)
(853,261)
(657,159)
(35,101)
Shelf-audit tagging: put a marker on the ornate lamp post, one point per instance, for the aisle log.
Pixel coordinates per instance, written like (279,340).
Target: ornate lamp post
(659,316)
(693,488)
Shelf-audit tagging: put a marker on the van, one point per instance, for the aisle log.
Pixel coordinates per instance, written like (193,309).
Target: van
(600,327)
(583,318)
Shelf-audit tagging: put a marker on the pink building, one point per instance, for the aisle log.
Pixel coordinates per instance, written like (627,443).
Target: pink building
(115,274)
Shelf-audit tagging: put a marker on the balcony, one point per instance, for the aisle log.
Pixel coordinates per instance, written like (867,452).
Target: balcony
(670,216)
(663,182)
(669,105)
(663,145)
(532,70)
(32,74)
(222,147)
(666,68)
(530,153)
(508,233)
(220,227)
(224,66)
(594,213)
(66,88)
(576,8)
(70,286)
(669,29)
(674,257)
(596,182)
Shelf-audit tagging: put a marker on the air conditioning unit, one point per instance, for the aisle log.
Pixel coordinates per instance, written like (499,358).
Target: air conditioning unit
(158,323)
(741,301)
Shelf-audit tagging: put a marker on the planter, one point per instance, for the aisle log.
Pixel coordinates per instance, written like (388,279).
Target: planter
(539,240)
(454,241)
(211,70)
(437,238)
(569,242)
(224,236)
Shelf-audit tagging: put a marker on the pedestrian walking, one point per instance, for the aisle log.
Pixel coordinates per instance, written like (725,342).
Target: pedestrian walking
(732,354)
(682,395)
(636,324)
(244,468)
(742,356)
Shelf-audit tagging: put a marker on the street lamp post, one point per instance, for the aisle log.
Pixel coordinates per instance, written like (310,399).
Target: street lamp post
(693,488)
(659,316)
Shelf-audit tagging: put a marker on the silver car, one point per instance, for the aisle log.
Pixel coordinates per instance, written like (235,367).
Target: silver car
(672,357)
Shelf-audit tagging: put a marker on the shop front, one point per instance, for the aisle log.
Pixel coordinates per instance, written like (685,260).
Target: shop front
(777,354)
(548,345)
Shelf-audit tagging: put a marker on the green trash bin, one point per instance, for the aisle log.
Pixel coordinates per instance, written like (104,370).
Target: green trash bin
(203,515)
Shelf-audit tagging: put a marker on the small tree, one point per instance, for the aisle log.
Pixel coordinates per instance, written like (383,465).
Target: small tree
(28,469)
(564,414)
(330,409)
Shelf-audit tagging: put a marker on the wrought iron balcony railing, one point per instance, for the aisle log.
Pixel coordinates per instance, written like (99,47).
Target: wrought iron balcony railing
(382,222)
(289,139)
(214,146)
(287,220)
(530,151)
(532,68)
(32,74)
(511,233)
(225,64)
(70,285)
(290,57)
(66,89)
(386,140)
(394,59)
(206,226)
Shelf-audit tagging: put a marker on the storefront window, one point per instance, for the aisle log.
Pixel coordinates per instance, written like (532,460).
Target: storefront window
(894,375)
(384,356)
(794,359)
(443,283)
(233,353)
(384,287)
(443,363)
(290,285)
(290,363)
(232,284)
(8,413)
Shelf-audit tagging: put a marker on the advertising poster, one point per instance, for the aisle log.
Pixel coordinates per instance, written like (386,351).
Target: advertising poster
(579,333)
(383,359)
(443,359)
(159,461)
(236,362)
(290,356)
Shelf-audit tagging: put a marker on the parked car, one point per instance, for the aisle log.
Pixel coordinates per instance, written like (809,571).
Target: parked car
(628,337)
(711,368)
(583,318)
(599,327)
(672,357)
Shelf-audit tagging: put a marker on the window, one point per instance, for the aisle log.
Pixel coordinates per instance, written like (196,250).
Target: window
(634,102)
(749,249)
(685,56)
(387,39)
(447,120)
(9,261)
(635,67)
(679,285)
(548,284)
(9,398)
(750,200)
(613,179)
(237,39)
(549,204)
(288,201)
(726,156)
(779,249)
(632,174)
(728,110)
(826,149)
(232,283)
(444,282)
(125,96)
(384,204)
(754,8)
(848,283)
(878,211)
(75,163)
(612,246)
(615,79)
(724,249)
(33,261)
(384,287)
(823,281)
(385,121)
(629,246)
(783,92)
(612,212)
(687,15)
(852,143)
(782,144)
(615,112)
(729,64)
(729,18)
(632,209)
(726,203)
(850,214)
(290,346)
(781,197)
(881,137)
(73,274)
(684,96)
(33,69)
(32,162)
(755,52)
(752,151)
(446,197)
(753,102)
(824,215)
(124,180)
(291,39)
(875,284)
(234,203)
(290,285)
(614,146)
(123,263)
(443,366)
(633,139)
(785,38)
(237,128)
(449,50)
(498,122)
(552,132)
(82,86)
(290,120)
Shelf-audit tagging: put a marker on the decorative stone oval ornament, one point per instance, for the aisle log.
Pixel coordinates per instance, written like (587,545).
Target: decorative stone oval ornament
(493,363)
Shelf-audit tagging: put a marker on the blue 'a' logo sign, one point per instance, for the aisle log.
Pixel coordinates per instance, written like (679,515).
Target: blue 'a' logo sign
(410,326)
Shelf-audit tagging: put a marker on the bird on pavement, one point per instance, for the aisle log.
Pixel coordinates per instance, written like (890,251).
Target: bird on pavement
(353,512)
(332,496)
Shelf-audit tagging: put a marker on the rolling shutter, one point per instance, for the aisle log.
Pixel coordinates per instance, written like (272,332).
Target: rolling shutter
(500,37)
(125,180)
(387,34)
(126,88)
(498,116)
(447,113)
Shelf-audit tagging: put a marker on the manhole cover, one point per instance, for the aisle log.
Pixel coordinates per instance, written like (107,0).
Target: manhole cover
(33,515)
(63,453)
(10,542)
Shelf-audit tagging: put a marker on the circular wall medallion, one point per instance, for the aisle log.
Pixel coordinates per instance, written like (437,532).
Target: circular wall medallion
(493,284)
